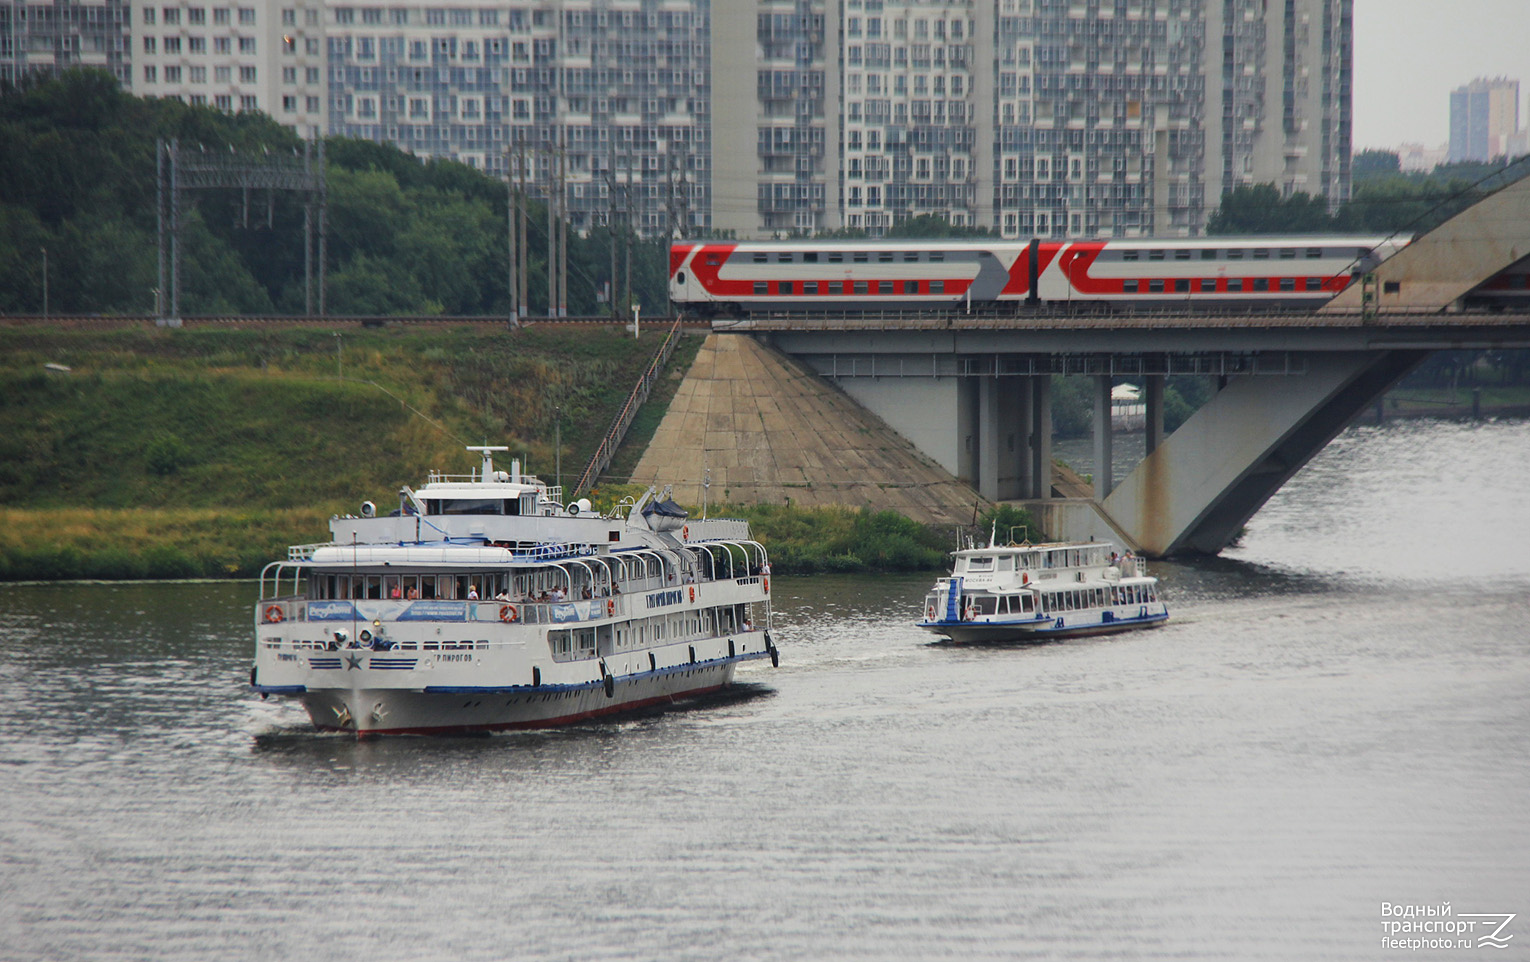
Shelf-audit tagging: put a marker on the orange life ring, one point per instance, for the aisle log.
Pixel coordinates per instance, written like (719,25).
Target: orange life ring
(693,592)
(685,532)
(507,613)
(273,613)
(929,613)
(610,607)
(767,584)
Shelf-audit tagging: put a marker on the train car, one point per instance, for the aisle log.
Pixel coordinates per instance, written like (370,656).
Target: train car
(1278,273)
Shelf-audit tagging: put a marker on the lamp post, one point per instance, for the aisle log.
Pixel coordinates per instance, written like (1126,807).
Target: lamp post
(558,444)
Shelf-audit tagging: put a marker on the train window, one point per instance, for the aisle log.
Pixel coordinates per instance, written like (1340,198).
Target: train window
(885,257)
(713,260)
(1156,286)
(1129,287)
(1261,253)
(760,287)
(937,257)
(1235,284)
(860,287)
(835,257)
(1208,285)
(762,258)
(1208,253)
(1129,255)
(1314,253)
(910,257)
(1235,255)
(1182,285)
(1288,283)
(836,287)
(1155,255)
(1314,283)
(911,287)
(1261,283)
(937,287)
(860,257)
(810,257)
(884,287)
(1181,255)
(1287,254)
(810,287)
(783,287)
(783,258)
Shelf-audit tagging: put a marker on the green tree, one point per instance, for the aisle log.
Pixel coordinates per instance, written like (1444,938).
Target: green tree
(1259,209)
(1375,163)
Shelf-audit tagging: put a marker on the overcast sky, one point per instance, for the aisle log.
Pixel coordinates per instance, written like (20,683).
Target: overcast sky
(1410,54)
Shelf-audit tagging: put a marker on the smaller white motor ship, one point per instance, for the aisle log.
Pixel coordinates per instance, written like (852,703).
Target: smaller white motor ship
(1037,592)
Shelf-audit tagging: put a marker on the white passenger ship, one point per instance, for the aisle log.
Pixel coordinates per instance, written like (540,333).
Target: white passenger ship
(1037,592)
(483,604)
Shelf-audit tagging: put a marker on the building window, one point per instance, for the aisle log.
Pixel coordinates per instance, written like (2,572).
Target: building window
(222,74)
(151,74)
(172,75)
(247,16)
(289,17)
(172,45)
(196,16)
(171,16)
(222,45)
(148,15)
(246,44)
(220,16)
(149,45)
(196,45)
(248,102)
(246,75)
(289,104)
(312,105)
(223,101)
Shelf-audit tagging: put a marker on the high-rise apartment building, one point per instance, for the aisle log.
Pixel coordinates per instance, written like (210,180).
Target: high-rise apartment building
(1484,119)
(598,95)
(771,117)
(241,56)
(50,37)
(1108,117)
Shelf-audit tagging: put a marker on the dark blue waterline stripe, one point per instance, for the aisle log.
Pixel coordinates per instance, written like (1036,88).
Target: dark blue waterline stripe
(587,685)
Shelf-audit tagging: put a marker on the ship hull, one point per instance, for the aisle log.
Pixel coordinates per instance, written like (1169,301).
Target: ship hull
(1035,632)
(369,712)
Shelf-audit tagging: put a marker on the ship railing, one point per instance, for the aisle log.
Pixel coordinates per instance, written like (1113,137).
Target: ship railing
(304,552)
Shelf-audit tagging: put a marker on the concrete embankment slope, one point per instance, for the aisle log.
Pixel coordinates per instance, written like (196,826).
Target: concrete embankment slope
(770,430)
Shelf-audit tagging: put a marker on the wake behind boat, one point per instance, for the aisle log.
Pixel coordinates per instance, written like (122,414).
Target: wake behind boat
(483,604)
(1037,592)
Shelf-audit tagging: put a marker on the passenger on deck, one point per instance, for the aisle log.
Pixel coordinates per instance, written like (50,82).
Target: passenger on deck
(472,593)
(413,593)
(394,592)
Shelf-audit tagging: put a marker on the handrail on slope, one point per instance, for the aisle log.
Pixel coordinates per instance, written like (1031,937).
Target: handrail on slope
(601,459)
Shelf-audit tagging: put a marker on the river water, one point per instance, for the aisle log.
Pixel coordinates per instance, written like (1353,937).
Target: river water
(1336,717)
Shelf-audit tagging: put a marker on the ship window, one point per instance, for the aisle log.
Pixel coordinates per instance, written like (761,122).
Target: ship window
(1025,603)
(1006,564)
(469,506)
(979,564)
(987,606)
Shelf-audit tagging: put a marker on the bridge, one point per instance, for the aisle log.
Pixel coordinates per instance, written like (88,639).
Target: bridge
(973,391)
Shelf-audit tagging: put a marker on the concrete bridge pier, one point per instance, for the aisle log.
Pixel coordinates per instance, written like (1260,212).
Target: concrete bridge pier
(1197,489)
(1013,442)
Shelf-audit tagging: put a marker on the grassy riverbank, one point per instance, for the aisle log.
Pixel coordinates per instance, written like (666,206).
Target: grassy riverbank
(205,452)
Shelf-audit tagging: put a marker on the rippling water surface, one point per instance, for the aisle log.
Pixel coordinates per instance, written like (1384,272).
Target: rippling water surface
(1335,717)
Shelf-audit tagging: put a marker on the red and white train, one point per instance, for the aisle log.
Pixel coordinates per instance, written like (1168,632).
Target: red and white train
(728,277)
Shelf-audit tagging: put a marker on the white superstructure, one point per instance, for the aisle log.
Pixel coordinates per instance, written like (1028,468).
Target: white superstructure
(483,604)
(1036,592)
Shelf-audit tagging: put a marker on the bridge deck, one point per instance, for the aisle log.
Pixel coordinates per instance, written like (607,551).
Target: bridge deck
(1060,321)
